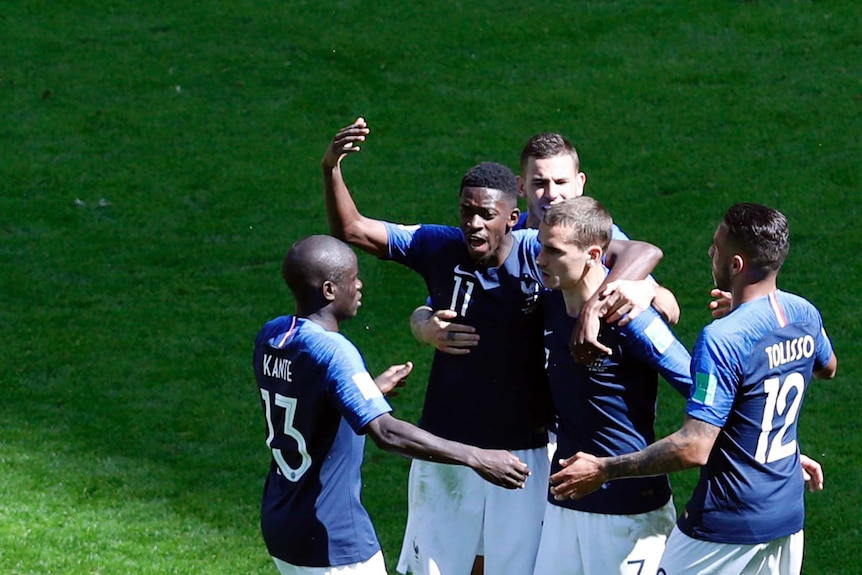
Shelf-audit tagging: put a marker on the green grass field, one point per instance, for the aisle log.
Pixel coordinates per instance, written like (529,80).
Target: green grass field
(159,158)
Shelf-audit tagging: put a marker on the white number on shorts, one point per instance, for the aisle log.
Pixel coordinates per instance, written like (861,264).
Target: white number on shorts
(289,406)
(467,295)
(776,405)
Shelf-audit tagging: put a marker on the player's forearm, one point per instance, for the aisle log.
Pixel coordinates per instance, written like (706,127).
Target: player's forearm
(344,219)
(686,448)
(342,214)
(665,303)
(632,260)
(396,436)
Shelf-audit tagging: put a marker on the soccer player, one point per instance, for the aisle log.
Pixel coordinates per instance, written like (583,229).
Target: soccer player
(495,397)
(550,173)
(319,401)
(751,369)
(606,408)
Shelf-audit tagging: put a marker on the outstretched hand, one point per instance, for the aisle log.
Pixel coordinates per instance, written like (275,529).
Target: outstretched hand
(720,306)
(394,376)
(345,142)
(581,474)
(445,334)
(502,468)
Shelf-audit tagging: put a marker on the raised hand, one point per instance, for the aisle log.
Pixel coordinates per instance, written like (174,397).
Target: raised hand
(395,376)
(345,142)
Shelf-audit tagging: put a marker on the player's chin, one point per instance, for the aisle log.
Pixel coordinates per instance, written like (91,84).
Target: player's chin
(550,282)
(479,253)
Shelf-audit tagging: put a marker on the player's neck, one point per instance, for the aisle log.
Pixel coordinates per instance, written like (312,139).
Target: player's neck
(577,295)
(325,320)
(743,293)
(503,251)
(532,222)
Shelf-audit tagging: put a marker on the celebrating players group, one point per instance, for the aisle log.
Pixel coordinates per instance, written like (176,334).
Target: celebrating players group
(535,453)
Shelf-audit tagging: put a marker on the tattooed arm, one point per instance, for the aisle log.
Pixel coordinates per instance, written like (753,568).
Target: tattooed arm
(584,473)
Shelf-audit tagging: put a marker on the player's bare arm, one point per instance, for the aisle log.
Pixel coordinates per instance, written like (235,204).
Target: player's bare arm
(688,447)
(497,466)
(395,376)
(629,260)
(439,330)
(345,220)
(828,371)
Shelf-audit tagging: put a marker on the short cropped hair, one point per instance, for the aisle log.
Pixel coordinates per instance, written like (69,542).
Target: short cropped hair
(493,176)
(760,232)
(548,145)
(314,260)
(587,220)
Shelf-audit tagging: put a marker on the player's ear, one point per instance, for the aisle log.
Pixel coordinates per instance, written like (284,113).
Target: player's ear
(521,191)
(328,290)
(737,264)
(582,178)
(594,255)
(513,218)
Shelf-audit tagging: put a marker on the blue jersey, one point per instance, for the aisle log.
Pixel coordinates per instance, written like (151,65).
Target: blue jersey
(497,395)
(608,408)
(317,397)
(751,369)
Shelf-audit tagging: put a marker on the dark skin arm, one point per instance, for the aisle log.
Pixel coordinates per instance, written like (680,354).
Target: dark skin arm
(497,466)
(345,221)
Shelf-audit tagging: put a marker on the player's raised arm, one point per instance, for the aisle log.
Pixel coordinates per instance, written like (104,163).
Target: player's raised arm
(494,465)
(345,221)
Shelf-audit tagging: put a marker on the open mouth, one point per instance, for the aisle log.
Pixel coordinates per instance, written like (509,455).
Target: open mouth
(476,243)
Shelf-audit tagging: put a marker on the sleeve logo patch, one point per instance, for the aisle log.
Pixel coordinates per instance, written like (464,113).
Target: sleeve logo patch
(659,334)
(704,388)
(366,385)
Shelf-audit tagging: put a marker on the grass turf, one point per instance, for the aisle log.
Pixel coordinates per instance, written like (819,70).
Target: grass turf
(160,157)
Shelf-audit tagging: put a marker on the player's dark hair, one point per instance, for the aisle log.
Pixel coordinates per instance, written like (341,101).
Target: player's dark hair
(312,261)
(759,232)
(548,145)
(493,176)
(587,220)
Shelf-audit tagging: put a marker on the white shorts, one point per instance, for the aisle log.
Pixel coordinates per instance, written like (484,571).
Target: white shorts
(454,515)
(685,555)
(373,566)
(577,542)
